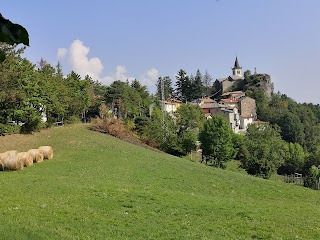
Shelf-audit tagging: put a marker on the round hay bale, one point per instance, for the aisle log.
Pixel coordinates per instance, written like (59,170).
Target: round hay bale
(5,155)
(8,153)
(47,152)
(1,162)
(36,154)
(25,158)
(11,162)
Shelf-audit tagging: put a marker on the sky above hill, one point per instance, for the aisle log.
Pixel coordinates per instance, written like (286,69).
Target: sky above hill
(145,39)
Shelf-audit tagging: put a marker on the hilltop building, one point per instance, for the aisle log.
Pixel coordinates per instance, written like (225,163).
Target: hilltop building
(236,77)
(236,107)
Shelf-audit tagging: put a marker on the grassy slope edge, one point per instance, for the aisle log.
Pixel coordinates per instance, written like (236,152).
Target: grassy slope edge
(98,187)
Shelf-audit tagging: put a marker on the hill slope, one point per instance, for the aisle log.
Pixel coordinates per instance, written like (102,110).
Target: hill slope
(98,187)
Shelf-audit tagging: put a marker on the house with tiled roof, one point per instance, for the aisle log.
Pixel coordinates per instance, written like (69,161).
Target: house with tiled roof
(171,105)
(245,105)
(230,102)
(211,108)
(207,105)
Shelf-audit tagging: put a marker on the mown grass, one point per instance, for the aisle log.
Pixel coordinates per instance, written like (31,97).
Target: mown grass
(98,187)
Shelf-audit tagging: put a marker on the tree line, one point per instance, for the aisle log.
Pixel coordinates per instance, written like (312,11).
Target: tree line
(187,87)
(27,91)
(289,143)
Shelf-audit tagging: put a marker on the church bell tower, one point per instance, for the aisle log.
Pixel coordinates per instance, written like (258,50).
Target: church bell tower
(237,70)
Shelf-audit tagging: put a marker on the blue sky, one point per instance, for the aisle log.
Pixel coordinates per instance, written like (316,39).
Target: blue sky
(144,39)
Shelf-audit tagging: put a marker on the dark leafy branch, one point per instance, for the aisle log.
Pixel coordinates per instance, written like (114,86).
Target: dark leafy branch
(12,33)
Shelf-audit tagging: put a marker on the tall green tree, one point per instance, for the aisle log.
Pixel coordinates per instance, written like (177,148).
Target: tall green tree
(161,135)
(128,101)
(21,91)
(144,99)
(291,127)
(263,151)
(207,84)
(216,89)
(216,141)
(168,89)
(294,160)
(79,95)
(197,86)
(189,121)
(52,89)
(119,98)
(183,86)
(98,94)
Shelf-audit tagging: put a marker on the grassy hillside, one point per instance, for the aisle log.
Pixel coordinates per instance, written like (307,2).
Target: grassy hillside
(98,187)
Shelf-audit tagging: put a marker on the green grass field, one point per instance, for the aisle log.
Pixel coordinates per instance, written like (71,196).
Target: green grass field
(98,187)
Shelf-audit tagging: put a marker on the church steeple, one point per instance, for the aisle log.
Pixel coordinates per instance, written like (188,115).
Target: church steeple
(237,70)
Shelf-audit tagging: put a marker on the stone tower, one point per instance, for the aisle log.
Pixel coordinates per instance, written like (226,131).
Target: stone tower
(237,70)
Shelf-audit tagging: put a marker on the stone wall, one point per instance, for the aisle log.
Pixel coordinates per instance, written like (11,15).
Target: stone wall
(248,107)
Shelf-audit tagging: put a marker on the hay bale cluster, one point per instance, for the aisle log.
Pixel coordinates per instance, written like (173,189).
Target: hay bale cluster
(14,160)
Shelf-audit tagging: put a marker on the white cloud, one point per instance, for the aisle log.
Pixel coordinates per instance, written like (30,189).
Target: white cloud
(78,61)
(120,74)
(76,57)
(150,78)
(62,53)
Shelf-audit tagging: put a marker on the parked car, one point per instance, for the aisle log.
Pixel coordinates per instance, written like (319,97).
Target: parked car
(14,123)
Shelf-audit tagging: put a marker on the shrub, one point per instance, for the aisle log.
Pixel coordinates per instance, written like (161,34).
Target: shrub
(130,124)
(73,119)
(140,123)
(6,129)
(114,127)
(312,178)
(30,117)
